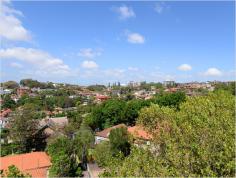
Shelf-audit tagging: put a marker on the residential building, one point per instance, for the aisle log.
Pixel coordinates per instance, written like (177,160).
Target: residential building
(104,134)
(169,83)
(23,90)
(36,164)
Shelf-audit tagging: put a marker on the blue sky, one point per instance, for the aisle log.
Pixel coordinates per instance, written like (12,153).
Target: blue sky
(101,42)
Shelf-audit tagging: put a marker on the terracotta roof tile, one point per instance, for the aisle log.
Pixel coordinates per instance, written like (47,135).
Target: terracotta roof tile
(139,132)
(35,163)
(105,133)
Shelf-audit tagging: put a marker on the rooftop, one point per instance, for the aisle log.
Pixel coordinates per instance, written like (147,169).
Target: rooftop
(35,163)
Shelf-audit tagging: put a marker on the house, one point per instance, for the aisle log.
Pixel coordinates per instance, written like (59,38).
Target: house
(4,118)
(53,125)
(140,135)
(100,98)
(5,113)
(22,91)
(104,134)
(36,164)
(168,83)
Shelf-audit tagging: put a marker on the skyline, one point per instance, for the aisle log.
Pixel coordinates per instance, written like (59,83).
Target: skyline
(102,42)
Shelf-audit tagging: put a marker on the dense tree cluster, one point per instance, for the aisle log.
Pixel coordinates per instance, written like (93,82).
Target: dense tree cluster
(35,84)
(25,131)
(69,155)
(196,140)
(10,85)
(115,111)
(116,148)
(229,86)
(96,87)
(170,99)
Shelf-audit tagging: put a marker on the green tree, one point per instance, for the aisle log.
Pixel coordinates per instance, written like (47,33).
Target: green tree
(119,141)
(24,130)
(13,171)
(170,99)
(10,85)
(108,114)
(102,154)
(229,86)
(63,157)
(8,102)
(131,110)
(196,140)
(84,138)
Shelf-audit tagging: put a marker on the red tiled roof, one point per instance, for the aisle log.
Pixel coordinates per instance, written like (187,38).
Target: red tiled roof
(102,97)
(105,133)
(139,132)
(4,113)
(35,163)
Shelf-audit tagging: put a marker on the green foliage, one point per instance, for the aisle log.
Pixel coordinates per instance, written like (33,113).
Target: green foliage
(114,112)
(96,87)
(63,157)
(229,86)
(147,86)
(85,138)
(140,163)
(131,110)
(24,130)
(10,85)
(102,154)
(68,155)
(13,171)
(30,83)
(107,114)
(8,102)
(198,140)
(170,99)
(119,141)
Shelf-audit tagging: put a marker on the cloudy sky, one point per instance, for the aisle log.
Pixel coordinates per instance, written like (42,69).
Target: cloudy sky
(101,42)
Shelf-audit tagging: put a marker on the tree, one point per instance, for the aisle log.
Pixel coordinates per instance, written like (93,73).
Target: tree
(108,114)
(229,86)
(8,102)
(102,154)
(13,171)
(131,110)
(119,141)
(84,138)
(63,156)
(170,99)
(196,140)
(10,85)
(24,130)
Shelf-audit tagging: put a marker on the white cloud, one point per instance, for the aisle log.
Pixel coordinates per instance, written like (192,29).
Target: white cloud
(133,68)
(16,65)
(89,65)
(116,73)
(11,26)
(125,12)
(89,52)
(160,7)
(185,67)
(40,60)
(135,38)
(213,72)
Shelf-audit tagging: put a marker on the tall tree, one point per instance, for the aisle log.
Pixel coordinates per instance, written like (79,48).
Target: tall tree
(119,141)
(196,140)
(24,130)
